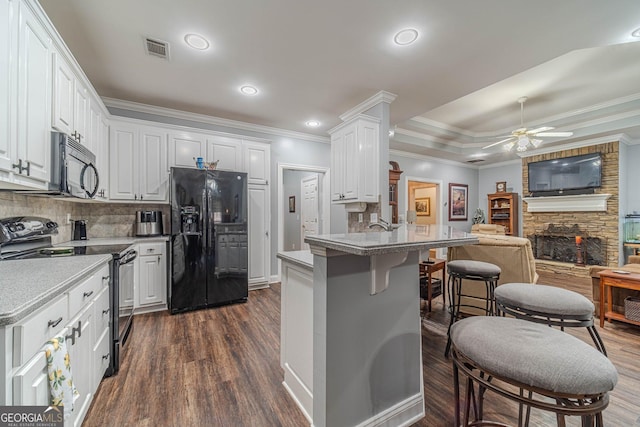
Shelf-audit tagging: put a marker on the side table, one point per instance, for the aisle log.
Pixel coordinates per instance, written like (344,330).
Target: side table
(614,279)
(427,268)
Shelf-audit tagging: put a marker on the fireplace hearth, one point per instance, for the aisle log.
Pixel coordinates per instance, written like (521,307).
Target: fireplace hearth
(570,244)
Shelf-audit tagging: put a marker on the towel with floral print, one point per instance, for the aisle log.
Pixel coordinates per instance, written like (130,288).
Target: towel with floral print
(62,391)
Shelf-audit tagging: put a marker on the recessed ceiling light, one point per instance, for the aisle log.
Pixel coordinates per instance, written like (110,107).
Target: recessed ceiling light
(196,41)
(406,36)
(636,33)
(248,90)
(313,123)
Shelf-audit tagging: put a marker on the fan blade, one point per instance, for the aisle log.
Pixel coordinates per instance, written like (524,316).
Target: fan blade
(554,134)
(540,129)
(499,142)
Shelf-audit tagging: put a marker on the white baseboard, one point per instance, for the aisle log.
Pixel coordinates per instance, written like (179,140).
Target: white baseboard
(403,414)
(258,286)
(150,309)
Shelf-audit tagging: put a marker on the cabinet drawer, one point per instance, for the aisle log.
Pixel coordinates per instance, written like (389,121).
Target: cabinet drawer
(156,248)
(31,382)
(30,335)
(101,358)
(88,290)
(102,313)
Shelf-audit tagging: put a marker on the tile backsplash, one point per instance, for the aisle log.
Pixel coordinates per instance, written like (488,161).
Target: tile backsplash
(104,219)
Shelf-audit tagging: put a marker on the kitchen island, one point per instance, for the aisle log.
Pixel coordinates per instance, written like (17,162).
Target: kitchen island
(362,321)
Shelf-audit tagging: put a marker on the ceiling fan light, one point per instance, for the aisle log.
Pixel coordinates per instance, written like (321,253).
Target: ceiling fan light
(523,140)
(509,146)
(521,148)
(536,142)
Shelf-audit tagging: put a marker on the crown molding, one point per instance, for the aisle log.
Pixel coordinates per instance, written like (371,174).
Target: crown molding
(442,126)
(382,96)
(202,118)
(414,156)
(501,164)
(579,144)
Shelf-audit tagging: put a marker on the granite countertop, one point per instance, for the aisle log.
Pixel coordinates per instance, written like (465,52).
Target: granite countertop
(98,241)
(404,239)
(302,258)
(28,284)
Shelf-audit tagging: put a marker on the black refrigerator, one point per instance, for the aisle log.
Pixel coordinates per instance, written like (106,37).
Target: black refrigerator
(209,261)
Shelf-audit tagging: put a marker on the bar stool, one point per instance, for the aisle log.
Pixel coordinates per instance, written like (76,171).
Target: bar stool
(548,305)
(503,354)
(477,271)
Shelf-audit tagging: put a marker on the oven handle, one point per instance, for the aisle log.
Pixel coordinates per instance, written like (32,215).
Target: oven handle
(128,257)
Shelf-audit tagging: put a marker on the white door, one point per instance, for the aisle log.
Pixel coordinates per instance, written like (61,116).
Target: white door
(154,174)
(7,151)
(226,151)
(63,95)
(259,239)
(309,212)
(123,173)
(256,162)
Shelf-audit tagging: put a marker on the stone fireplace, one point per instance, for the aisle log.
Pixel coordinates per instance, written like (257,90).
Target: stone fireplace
(569,244)
(553,232)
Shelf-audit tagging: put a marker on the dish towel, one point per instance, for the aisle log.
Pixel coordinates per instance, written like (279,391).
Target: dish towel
(62,391)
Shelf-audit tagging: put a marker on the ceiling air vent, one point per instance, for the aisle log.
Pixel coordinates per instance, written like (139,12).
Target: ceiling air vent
(475,160)
(157,48)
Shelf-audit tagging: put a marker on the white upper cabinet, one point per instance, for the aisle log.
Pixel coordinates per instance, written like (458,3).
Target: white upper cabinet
(71,102)
(257,158)
(63,95)
(226,151)
(185,147)
(99,139)
(6,87)
(138,160)
(34,101)
(354,159)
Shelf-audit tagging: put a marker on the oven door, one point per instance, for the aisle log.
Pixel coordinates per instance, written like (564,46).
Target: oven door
(122,304)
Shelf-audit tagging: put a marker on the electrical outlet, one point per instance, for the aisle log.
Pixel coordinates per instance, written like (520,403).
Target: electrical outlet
(360,217)
(373,217)
(68,218)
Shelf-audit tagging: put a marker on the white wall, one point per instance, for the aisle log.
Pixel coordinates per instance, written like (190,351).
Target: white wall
(507,171)
(447,172)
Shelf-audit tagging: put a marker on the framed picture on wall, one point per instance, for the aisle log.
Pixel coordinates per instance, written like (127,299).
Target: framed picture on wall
(292,203)
(423,206)
(458,202)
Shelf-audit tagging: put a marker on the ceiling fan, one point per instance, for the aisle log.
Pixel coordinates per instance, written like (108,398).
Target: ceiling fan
(522,137)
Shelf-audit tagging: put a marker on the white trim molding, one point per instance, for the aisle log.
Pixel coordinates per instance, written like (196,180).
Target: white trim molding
(576,203)
(382,96)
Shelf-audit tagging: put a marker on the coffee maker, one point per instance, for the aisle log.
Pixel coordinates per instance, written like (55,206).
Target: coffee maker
(80,229)
(149,223)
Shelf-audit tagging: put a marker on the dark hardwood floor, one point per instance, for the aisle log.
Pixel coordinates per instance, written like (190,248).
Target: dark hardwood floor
(220,367)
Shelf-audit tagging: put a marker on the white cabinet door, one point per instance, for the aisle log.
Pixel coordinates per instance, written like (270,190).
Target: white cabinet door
(123,175)
(350,164)
(81,113)
(152,165)
(63,95)
(226,151)
(259,238)
(337,166)
(184,147)
(102,158)
(93,132)
(34,101)
(81,356)
(367,152)
(257,158)
(152,280)
(7,88)
(31,382)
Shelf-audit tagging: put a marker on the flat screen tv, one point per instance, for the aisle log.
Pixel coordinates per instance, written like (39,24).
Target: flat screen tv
(568,175)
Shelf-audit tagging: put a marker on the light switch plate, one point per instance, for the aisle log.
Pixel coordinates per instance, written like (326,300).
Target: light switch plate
(373,217)
(360,217)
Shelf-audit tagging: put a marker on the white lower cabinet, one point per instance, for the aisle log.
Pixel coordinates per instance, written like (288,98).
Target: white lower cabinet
(259,238)
(87,337)
(151,275)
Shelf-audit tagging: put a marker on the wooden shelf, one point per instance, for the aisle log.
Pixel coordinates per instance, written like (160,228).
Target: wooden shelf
(503,210)
(394,177)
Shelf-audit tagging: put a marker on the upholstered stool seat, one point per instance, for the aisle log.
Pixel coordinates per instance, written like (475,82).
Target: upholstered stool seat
(548,305)
(473,271)
(502,354)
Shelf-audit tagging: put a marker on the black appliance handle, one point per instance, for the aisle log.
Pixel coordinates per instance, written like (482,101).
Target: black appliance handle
(91,193)
(128,257)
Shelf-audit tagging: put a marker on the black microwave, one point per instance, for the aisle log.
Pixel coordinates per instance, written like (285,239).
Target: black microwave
(73,168)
